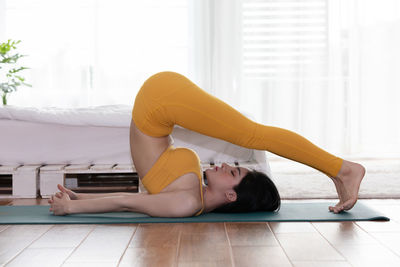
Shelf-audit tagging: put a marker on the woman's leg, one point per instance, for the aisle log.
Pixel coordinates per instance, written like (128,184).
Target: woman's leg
(176,100)
(168,98)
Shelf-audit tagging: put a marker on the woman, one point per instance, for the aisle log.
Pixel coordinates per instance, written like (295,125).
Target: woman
(173,176)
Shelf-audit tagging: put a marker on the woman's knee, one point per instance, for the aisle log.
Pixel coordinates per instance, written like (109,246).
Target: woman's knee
(162,82)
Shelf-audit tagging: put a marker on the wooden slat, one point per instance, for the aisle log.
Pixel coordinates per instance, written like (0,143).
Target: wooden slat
(8,168)
(28,168)
(102,167)
(77,168)
(124,167)
(95,189)
(53,167)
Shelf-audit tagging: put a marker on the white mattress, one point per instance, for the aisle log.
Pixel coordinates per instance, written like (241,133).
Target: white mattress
(95,135)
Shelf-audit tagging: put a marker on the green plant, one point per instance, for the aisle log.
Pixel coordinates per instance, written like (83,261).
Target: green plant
(9,70)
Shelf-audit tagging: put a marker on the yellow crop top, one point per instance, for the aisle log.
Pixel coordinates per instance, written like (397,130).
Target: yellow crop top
(173,163)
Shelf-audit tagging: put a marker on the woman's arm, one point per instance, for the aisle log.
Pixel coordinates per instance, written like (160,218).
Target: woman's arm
(169,204)
(61,204)
(95,205)
(74,196)
(100,195)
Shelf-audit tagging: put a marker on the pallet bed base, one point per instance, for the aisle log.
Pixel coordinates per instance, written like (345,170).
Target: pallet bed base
(29,181)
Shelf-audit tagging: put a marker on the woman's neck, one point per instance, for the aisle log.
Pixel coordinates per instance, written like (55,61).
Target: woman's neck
(211,199)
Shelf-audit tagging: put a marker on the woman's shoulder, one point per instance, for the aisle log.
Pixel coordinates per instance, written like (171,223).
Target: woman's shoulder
(191,199)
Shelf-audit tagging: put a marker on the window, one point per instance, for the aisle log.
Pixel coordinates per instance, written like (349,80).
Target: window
(284,39)
(89,52)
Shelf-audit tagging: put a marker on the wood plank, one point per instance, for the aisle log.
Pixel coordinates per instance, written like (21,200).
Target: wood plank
(250,234)
(308,247)
(259,256)
(204,243)
(365,255)
(106,243)
(54,247)
(200,264)
(29,201)
(16,238)
(378,226)
(346,233)
(153,245)
(63,235)
(389,240)
(149,256)
(5,202)
(292,227)
(367,244)
(156,235)
(89,264)
(321,263)
(3,227)
(41,257)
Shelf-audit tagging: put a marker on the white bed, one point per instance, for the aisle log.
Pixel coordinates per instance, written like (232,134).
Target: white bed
(97,135)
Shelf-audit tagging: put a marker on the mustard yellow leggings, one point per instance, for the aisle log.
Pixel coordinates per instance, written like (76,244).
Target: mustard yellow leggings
(177,100)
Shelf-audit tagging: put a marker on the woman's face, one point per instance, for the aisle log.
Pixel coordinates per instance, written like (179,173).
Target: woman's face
(225,177)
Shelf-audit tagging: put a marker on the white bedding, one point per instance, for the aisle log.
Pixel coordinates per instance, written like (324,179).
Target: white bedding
(95,135)
(108,116)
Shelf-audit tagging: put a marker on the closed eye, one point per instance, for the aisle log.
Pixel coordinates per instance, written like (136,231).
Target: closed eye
(232,173)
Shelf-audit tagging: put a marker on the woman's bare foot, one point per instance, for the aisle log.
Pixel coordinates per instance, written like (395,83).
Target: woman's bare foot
(347,185)
(339,189)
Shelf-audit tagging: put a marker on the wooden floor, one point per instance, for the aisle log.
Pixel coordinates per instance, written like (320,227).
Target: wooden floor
(205,244)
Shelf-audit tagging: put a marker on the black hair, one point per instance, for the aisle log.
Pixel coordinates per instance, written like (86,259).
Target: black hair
(256,192)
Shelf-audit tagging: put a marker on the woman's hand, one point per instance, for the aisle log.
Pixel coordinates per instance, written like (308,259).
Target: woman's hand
(71,194)
(59,205)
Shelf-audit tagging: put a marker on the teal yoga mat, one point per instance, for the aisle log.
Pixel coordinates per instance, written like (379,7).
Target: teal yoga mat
(289,212)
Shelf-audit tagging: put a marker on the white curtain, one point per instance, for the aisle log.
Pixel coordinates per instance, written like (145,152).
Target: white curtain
(327,69)
(94,52)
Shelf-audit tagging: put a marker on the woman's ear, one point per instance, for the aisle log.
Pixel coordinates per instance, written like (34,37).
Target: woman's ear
(231,195)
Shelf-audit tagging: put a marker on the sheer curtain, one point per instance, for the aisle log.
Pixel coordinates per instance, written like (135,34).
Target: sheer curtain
(327,69)
(94,52)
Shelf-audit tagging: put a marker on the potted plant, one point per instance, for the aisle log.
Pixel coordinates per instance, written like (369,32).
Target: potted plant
(9,70)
